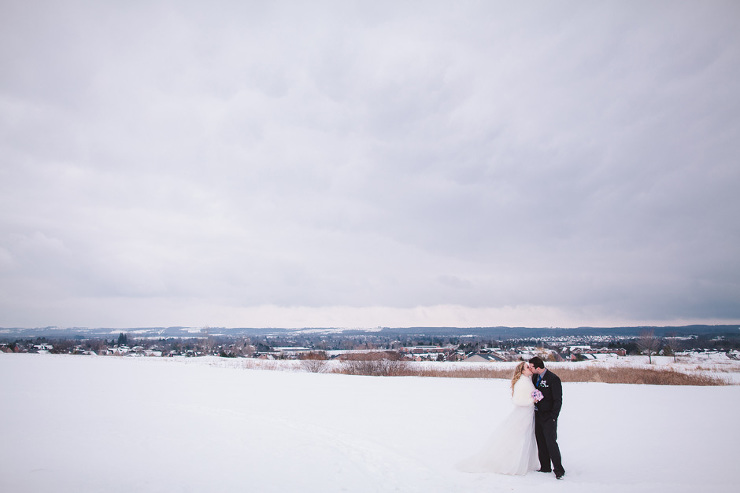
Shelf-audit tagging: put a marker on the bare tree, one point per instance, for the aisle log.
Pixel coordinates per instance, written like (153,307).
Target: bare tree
(648,342)
(674,345)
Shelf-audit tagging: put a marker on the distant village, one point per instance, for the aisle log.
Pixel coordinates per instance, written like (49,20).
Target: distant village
(349,346)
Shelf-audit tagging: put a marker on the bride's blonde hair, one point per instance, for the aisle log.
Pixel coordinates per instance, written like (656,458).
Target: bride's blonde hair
(517,374)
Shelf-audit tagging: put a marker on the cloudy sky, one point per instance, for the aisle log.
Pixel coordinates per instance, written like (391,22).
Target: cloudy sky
(362,164)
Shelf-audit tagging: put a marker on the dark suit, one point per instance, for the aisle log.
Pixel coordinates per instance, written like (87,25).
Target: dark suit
(546,421)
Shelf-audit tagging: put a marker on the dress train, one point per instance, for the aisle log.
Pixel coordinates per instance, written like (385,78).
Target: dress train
(512,448)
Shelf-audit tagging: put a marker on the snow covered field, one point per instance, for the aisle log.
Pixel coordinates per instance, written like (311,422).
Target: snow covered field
(88,424)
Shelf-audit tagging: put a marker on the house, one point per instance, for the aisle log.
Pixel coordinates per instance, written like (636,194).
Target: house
(484,358)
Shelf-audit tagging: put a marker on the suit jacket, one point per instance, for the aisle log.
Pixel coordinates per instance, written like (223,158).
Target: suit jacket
(552,395)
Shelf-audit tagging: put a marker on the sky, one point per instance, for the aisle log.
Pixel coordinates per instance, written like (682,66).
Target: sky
(363,164)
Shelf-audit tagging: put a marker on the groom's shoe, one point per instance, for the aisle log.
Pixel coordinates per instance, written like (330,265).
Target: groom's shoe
(559,475)
(544,470)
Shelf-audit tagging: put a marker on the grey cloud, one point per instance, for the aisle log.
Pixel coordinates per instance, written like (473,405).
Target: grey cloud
(580,157)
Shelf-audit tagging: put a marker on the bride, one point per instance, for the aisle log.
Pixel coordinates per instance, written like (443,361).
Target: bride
(512,448)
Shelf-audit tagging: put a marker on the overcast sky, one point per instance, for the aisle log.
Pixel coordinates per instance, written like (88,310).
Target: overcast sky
(362,164)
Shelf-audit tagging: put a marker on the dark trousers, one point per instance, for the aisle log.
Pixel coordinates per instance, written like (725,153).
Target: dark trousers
(546,434)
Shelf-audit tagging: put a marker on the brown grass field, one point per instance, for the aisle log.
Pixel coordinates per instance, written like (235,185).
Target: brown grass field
(623,375)
(379,364)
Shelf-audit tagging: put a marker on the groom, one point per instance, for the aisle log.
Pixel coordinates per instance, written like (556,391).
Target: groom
(546,417)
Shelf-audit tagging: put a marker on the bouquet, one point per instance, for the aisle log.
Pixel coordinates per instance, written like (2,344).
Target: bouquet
(537,395)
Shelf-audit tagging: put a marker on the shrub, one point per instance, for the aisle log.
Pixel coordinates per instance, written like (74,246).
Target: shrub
(381,364)
(314,362)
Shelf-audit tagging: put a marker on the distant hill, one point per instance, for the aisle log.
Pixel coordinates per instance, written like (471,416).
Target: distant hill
(54,332)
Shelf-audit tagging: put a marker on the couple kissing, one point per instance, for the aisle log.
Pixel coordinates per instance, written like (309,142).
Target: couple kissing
(528,435)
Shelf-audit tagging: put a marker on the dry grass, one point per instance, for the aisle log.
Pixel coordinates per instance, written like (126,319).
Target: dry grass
(375,368)
(716,368)
(626,375)
(388,365)
(257,364)
(390,368)
(644,376)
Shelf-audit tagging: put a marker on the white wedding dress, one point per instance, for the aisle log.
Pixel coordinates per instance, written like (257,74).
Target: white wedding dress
(512,448)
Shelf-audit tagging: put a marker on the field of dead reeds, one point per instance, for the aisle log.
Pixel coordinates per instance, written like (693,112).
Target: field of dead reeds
(640,375)
(624,373)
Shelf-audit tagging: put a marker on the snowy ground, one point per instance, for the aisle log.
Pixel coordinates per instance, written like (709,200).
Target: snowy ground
(88,424)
